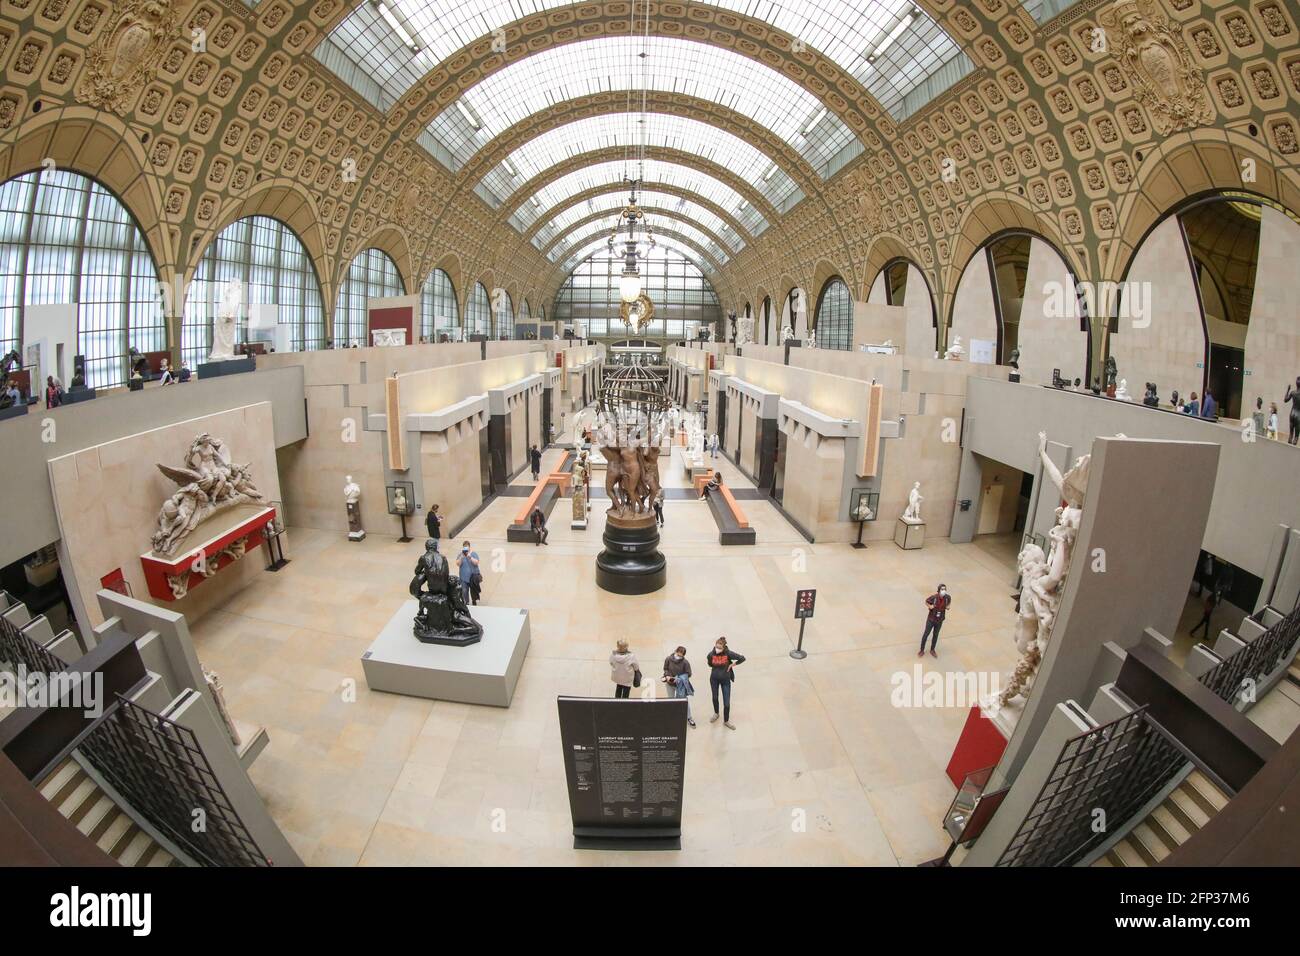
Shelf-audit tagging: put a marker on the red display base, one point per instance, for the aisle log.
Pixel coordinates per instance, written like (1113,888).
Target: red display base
(980,745)
(209,554)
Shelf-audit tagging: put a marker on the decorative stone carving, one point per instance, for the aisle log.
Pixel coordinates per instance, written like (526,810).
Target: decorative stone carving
(1043,578)
(127,53)
(1155,59)
(209,482)
(218,692)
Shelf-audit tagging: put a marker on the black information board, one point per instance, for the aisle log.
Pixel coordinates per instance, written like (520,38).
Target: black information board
(625,761)
(805,601)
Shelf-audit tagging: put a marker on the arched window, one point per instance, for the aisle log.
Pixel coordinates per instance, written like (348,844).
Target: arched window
(372,275)
(504,319)
(272,266)
(478,312)
(525,313)
(834,322)
(65,239)
(439,312)
(683,297)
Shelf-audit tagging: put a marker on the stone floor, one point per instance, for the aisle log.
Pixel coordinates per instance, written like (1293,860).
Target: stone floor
(355,777)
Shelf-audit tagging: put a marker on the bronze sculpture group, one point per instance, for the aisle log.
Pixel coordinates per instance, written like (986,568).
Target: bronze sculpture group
(443,617)
(632,469)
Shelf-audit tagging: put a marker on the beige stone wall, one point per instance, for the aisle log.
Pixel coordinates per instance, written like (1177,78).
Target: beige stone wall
(749,427)
(875,324)
(1168,349)
(452,478)
(1273,336)
(519,440)
(107,499)
(973,316)
(814,471)
(920,315)
(994,476)
(1049,341)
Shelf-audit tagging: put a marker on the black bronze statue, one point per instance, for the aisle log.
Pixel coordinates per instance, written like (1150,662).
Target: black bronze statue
(1294,398)
(443,617)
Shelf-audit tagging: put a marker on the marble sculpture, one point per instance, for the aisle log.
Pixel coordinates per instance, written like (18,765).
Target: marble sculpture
(914,499)
(1043,577)
(209,483)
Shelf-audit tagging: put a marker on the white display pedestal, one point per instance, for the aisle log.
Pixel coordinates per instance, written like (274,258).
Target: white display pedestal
(909,533)
(482,673)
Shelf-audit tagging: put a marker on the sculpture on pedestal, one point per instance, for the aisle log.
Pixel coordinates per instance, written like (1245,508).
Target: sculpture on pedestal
(745,330)
(209,482)
(1121,392)
(787,333)
(955,351)
(913,510)
(633,426)
(1042,578)
(1112,371)
(352,497)
(443,617)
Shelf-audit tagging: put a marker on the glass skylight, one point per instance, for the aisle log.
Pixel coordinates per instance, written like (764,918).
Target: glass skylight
(621,130)
(671,65)
(558,192)
(891,46)
(611,204)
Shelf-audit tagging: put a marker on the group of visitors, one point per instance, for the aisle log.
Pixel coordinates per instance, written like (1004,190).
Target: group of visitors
(467,562)
(625,672)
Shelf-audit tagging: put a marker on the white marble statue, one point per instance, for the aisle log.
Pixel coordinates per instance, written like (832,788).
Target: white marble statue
(1043,578)
(209,483)
(787,333)
(956,350)
(812,339)
(913,510)
(1121,392)
(744,330)
(226,321)
(352,498)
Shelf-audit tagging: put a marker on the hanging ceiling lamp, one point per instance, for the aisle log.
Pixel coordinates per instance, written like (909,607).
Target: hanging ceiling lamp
(632,217)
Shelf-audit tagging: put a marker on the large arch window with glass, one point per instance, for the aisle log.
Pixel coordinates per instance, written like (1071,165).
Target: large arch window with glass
(834,322)
(684,299)
(439,311)
(478,312)
(272,267)
(65,239)
(503,309)
(372,275)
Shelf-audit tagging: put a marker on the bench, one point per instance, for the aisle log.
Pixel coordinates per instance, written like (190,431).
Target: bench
(733,525)
(544,495)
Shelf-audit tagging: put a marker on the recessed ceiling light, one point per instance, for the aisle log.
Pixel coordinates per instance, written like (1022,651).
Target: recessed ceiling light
(468,115)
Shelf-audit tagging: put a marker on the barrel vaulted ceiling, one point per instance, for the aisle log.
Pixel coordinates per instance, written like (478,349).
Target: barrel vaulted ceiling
(825,136)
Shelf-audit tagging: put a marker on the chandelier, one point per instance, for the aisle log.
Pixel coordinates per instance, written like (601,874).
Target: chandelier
(631,229)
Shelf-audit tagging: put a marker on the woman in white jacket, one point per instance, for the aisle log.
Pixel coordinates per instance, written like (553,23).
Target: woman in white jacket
(623,669)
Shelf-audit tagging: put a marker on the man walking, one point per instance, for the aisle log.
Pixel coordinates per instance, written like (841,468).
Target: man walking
(535,456)
(938,604)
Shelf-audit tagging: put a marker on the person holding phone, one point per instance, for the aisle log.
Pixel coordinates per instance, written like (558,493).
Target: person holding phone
(937,604)
(722,672)
(470,577)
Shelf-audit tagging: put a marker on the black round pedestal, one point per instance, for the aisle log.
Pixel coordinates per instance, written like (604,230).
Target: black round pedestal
(631,562)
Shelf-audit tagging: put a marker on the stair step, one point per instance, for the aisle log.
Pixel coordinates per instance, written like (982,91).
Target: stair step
(80,799)
(97,814)
(119,827)
(161,858)
(1127,855)
(1170,824)
(136,849)
(1194,814)
(1148,843)
(1103,860)
(59,779)
(1207,789)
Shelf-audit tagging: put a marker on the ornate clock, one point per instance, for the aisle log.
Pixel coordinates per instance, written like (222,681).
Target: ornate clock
(638,313)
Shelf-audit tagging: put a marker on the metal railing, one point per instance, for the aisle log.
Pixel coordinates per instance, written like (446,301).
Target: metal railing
(17,648)
(1101,779)
(1258,658)
(160,770)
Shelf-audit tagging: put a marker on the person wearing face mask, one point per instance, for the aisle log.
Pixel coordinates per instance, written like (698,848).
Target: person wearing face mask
(938,604)
(722,671)
(677,679)
(470,577)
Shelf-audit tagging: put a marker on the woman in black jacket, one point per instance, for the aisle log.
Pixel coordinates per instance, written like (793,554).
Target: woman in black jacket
(722,663)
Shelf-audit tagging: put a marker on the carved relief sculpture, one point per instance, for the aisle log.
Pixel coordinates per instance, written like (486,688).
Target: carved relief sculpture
(209,482)
(1156,61)
(126,54)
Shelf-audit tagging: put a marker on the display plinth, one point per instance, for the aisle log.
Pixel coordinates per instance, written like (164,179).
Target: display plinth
(631,562)
(982,741)
(482,673)
(909,533)
(226,367)
(219,541)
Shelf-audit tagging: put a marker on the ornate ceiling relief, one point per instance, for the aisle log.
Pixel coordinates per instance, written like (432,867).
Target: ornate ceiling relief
(127,53)
(1157,62)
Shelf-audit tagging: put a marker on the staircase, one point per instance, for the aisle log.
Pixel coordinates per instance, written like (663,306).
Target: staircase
(1188,807)
(93,812)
